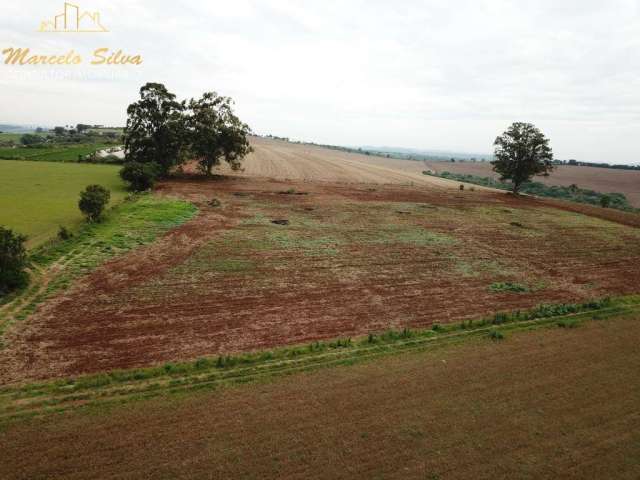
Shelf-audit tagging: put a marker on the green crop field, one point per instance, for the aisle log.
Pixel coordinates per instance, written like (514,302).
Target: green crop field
(51,154)
(37,197)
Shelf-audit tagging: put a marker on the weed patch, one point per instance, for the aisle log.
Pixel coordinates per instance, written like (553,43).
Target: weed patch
(508,287)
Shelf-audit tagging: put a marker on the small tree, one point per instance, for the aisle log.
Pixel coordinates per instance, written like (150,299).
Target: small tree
(522,152)
(13,261)
(141,176)
(216,133)
(92,202)
(605,201)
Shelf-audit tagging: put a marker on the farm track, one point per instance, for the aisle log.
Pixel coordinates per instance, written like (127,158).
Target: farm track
(34,400)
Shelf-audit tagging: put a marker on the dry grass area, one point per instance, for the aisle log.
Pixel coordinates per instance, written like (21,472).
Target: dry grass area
(604,180)
(288,161)
(555,403)
(350,261)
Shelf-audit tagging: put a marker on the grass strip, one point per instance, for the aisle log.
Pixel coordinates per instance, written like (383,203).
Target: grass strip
(137,221)
(208,373)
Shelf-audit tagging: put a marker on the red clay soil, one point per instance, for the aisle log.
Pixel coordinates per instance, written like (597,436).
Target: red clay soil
(167,302)
(559,403)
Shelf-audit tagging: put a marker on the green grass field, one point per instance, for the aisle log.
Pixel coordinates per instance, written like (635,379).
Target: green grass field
(37,197)
(51,154)
(15,137)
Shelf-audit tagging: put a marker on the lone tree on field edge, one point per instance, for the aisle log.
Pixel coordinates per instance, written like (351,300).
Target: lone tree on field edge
(92,202)
(216,133)
(522,152)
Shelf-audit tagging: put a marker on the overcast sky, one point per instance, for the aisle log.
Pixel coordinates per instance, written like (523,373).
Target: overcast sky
(447,75)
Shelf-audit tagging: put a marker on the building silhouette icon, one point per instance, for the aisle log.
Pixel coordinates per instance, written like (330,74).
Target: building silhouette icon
(73,20)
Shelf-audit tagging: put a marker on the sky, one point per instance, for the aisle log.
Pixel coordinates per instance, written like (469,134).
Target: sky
(439,75)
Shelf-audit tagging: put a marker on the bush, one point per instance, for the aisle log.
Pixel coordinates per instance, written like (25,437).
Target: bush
(92,202)
(13,261)
(140,176)
(64,233)
(496,335)
(568,323)
(508,287)
(29,139)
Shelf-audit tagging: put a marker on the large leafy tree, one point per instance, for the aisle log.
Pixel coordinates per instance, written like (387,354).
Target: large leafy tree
(216,133)
(155,129)
(522,152)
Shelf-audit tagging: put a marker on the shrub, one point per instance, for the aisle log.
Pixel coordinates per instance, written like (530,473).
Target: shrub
(568,323)
(605,201)
(496,335)
(508,287)
(140,176)
(461,187)
(92,202)
(13,261)
(64,233)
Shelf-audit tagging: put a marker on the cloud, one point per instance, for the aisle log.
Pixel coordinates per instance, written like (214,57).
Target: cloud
(420,74)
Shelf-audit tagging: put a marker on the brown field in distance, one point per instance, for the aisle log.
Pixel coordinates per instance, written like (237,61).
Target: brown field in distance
(606,180)
(290,161)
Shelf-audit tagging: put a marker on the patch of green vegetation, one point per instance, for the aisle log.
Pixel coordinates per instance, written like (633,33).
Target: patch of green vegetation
(508,287)
(53,153)
(133,223)
(496,335)
(308,245)
(122,385)
(568,323)
(417,236)
(232,265)
(472,268)
(573,193)
(39,197)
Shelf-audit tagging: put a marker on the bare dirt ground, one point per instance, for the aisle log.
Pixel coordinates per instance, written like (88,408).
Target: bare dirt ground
(547,404)
(352,260)
(605,180)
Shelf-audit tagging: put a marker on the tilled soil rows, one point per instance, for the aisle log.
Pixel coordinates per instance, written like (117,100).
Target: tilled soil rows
(348,261)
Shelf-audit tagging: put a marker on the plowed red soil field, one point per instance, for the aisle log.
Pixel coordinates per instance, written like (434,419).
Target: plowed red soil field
(557,403)
(351,260)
